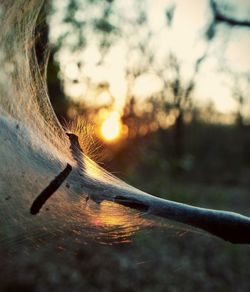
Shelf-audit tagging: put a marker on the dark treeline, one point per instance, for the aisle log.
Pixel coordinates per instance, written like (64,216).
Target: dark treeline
(217,154)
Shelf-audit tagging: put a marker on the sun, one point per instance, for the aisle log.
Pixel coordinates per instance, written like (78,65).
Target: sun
(111,127)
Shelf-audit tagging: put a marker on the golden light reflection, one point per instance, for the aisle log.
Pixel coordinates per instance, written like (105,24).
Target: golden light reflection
(117,222)
(111,127)
(111,214)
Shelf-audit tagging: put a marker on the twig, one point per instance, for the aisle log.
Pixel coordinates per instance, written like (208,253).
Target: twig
(50,190)
(76,150)
(229,226)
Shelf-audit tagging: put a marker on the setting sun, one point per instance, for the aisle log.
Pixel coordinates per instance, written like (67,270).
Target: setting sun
(111,127)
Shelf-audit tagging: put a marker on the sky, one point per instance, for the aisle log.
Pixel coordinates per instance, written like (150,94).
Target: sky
(227,62)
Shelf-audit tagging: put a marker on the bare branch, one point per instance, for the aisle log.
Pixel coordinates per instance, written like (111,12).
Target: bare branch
(219,17)
(229,226)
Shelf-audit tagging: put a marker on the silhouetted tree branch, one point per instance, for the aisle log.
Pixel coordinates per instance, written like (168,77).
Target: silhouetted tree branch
(220,17)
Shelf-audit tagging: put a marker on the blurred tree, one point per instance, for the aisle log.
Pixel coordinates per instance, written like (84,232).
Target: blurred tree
(221,15)
(229,15)
(173,101)
(241,95)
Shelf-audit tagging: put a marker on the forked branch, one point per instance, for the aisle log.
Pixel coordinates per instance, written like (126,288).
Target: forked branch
(229,226)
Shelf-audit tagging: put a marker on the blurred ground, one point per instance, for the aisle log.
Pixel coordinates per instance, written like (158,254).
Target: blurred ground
(159,259)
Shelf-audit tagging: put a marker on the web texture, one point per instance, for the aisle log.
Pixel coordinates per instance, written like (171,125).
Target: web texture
(34,149)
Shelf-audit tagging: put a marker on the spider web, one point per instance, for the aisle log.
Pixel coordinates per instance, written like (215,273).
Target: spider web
(35,152)
(34,149)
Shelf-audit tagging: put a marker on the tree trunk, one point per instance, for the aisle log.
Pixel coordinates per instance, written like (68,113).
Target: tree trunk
(179,137)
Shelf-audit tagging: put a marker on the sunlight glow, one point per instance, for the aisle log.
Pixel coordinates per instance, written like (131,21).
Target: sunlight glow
(184,38)
(111,127)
